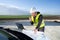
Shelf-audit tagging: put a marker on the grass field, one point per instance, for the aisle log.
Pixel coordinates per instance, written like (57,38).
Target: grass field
(14,16)
(27,16)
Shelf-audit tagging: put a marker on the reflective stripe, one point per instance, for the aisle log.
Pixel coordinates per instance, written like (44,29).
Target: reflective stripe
(36,21)
(32,18)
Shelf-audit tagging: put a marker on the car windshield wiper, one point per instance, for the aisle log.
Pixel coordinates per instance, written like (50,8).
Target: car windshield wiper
(20,35)
(8,35)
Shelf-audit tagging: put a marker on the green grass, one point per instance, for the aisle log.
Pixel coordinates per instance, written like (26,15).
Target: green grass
(14,16)
(27,16)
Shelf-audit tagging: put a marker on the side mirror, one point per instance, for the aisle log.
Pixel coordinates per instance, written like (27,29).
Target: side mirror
(20,26)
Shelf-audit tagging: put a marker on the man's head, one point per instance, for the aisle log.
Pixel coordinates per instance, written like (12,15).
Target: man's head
(33,11)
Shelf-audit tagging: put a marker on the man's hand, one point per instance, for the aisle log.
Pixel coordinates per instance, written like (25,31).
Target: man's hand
(30,19)
(35,30)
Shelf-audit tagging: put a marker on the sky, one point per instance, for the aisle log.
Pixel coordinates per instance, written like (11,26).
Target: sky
(44,6)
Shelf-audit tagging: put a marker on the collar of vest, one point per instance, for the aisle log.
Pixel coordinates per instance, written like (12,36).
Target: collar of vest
(37,16)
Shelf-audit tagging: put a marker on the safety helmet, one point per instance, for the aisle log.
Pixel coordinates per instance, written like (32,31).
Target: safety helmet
(33,10)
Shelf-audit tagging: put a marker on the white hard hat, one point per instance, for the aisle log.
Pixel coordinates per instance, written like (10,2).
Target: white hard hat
(33,10)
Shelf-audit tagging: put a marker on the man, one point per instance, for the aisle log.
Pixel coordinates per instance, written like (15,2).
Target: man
(37,20)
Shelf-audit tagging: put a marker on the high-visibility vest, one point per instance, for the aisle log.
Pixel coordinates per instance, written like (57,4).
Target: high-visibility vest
(36,21)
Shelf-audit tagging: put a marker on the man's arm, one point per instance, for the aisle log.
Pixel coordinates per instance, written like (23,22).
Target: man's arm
(39,21)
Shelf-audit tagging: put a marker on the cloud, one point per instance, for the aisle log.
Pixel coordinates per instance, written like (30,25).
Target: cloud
(7,9)
(9,5)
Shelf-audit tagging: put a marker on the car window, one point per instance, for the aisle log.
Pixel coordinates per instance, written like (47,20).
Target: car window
(3,37)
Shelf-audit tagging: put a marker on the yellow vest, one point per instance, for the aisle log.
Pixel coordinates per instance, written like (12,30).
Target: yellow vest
(36,21)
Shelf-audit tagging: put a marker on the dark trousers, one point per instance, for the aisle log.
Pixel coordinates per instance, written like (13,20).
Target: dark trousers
(41,29)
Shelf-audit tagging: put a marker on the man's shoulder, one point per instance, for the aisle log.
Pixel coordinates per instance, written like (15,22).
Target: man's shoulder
(40,14)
